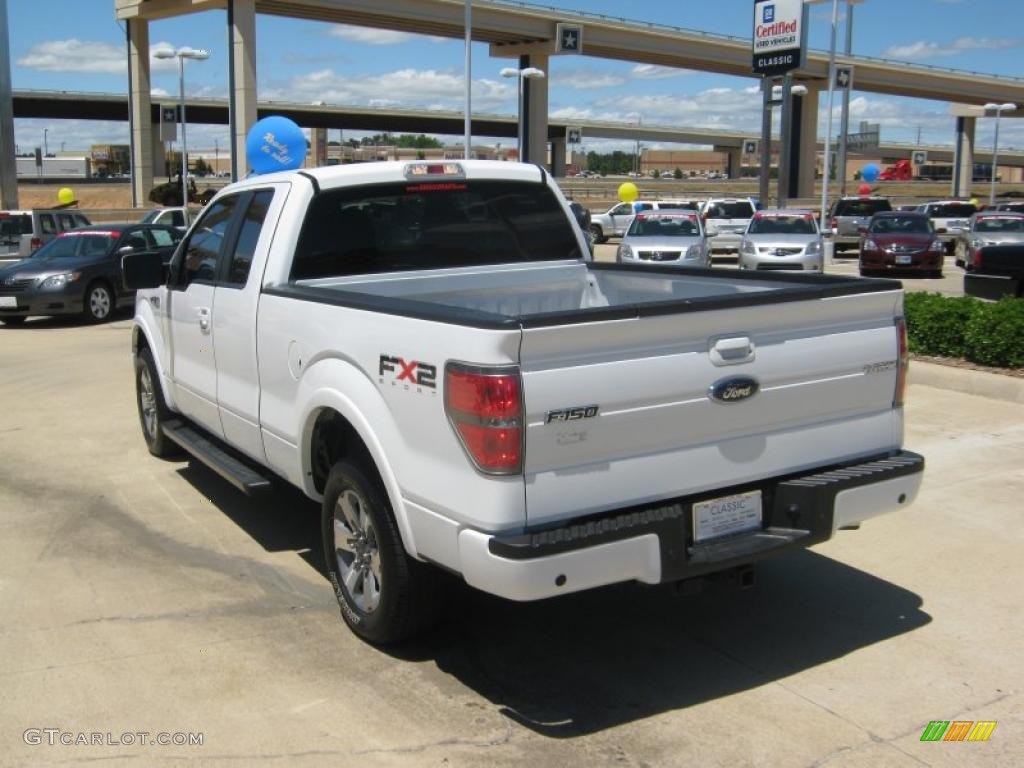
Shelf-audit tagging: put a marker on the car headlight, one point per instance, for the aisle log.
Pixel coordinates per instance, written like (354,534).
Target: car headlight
(748,247)
(56,282)
(625,252)
(870,245)
(695,252)
(813,248)
(936,246)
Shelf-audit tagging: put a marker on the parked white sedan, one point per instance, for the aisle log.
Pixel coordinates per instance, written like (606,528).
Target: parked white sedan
(782,239)
(664,237)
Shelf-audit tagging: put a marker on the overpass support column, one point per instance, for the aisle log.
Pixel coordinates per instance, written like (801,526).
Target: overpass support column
(558,156)
(242,76)
(963,160)
(805,154)
(8,165)
(140,113)
(535,109)
(733,157)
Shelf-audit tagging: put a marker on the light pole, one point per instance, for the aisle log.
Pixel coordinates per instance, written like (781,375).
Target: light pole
(181,54)
(468,128)
(46,147)
(522,74)
(827,160)
(995,146)
(844,119)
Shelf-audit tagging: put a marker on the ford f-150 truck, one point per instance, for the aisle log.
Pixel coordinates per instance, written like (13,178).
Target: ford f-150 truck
(428,350)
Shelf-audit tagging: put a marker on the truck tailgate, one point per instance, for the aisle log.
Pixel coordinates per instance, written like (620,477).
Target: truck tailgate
(619,412)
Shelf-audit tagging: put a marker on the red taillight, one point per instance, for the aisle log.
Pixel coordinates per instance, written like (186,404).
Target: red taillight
(485,408)
(36,243)
(976,258)
(902,362)
(835,223)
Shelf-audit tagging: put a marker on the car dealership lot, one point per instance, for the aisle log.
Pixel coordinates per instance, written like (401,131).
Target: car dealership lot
(142,595)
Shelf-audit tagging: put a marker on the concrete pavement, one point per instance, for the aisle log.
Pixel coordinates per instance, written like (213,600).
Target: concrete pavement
(143,595)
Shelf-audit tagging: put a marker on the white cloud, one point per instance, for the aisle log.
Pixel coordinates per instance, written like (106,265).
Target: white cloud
(74,55)
(930,50)
(655,72)
(405,87)
(159,93)
(373,36)
(586,79)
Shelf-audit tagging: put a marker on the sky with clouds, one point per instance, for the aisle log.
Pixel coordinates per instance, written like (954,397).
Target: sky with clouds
(77,45)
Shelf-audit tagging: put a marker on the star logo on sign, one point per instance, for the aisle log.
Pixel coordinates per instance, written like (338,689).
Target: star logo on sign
(843,78)
(569,40)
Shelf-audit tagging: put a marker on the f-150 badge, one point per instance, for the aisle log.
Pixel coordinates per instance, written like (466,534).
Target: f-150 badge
(734,389)
(571,414)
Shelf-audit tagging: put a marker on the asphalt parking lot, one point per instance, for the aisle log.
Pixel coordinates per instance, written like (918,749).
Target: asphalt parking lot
(139,595)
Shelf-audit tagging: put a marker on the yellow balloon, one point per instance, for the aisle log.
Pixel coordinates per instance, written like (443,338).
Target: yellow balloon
(628,192)
(66,195)
(974,201)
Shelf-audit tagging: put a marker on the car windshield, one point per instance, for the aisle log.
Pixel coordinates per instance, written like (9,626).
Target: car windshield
(901,225)
(952,211)
(999,224)
(72,245)
(782,225)
(150,217)
(861,207)
(740,209)
(430,224)
(669,225)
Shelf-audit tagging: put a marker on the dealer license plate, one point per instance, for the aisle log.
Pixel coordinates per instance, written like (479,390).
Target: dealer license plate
(726,515)
(9,302)
(904,259)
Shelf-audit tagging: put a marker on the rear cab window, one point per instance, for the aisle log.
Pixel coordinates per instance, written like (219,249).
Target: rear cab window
(730,209)
(864,208)
(952,211)
(13,226)
(431,224)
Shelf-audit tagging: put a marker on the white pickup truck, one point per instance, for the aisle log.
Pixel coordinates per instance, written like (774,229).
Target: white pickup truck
(428,350)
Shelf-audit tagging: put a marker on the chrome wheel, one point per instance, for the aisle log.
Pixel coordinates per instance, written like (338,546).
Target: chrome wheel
(99,302)
(357,551)
(147,403)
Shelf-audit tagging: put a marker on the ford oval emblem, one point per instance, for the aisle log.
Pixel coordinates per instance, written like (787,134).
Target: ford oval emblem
(734,389)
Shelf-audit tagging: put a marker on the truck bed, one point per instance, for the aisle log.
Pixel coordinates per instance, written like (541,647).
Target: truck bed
(552,294)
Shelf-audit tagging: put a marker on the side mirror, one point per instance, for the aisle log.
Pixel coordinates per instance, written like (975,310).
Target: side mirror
(124,250)
(142,270)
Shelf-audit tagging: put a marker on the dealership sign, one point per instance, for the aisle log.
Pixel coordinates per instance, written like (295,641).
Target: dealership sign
(780,34)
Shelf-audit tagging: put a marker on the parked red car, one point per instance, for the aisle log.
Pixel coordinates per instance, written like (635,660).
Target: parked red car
(903,241)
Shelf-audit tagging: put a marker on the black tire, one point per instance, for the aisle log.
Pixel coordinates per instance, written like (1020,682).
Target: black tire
(153,412)
(100,302)
(398,599)
(14,320)
(597,233)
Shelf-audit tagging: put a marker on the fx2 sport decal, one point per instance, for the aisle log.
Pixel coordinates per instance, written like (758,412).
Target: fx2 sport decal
(409,373)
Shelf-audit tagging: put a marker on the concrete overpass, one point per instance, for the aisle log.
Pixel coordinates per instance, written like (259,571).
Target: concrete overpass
(109,106)
(528,33)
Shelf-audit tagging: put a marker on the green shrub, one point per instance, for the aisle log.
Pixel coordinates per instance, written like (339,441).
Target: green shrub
(994,334)
(962,326)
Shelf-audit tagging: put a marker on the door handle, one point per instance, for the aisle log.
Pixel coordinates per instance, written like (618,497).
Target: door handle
(732,350)
(204,319)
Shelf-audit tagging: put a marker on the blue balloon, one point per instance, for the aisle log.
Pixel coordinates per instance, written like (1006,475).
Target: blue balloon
(637,207)
(870,172)
(275,143)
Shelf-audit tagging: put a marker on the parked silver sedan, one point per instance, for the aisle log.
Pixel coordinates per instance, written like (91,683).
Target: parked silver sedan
(988,228)
(673,238)
(782,239)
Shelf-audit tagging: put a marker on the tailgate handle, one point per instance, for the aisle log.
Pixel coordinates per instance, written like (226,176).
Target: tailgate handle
(732,350)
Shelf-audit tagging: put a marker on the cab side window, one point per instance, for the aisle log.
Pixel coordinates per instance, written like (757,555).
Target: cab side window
(67,221)
(203,251)
(623,209)
(248,237)
(47,225)
(163,238)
